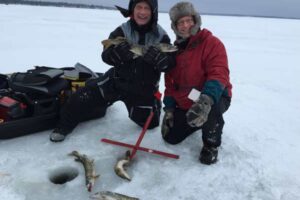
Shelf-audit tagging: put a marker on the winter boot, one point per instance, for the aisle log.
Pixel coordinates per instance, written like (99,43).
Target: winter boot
(56,136)
(208,155)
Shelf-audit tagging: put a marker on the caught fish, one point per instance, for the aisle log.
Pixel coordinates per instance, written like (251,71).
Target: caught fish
(116,41)
(139,50)
(89,168)
(107,195)
(120,167)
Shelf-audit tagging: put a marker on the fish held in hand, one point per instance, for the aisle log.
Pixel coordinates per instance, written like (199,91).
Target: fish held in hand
(139,50)
(116,41)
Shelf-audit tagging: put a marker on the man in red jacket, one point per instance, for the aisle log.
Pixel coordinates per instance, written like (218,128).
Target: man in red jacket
(201,64)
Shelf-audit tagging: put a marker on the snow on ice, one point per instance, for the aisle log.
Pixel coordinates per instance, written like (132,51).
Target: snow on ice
(259,157)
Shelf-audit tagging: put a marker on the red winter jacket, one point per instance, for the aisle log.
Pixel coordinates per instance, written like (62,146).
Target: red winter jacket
(203,65)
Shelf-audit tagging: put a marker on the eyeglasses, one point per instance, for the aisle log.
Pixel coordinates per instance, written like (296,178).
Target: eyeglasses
(185,21)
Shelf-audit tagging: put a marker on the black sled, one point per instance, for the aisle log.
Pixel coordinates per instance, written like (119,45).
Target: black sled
(30,102)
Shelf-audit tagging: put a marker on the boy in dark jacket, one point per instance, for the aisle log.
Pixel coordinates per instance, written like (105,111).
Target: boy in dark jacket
(201,64)
(134,81)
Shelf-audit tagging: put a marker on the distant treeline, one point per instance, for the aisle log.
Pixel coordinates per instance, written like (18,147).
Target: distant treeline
(57,4)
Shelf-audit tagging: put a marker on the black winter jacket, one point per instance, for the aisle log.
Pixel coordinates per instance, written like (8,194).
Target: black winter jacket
(137,77)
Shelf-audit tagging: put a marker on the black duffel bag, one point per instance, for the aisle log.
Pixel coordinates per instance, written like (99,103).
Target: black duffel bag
(37,96)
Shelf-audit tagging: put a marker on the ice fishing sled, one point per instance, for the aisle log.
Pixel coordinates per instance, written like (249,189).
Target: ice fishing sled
(30,101)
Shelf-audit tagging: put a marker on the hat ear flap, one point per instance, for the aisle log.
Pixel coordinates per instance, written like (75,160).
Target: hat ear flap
(174,27)
(198,23)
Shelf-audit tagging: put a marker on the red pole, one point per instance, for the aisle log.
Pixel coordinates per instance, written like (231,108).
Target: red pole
(142,134)
(153,151)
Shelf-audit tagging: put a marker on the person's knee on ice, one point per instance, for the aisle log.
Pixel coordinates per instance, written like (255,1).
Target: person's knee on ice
(171,140)
(140,114)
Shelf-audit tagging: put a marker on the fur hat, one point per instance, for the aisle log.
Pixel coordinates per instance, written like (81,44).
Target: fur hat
(183,9)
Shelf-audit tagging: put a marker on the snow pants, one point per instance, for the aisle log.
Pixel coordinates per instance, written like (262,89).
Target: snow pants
(93,100)
(211,129)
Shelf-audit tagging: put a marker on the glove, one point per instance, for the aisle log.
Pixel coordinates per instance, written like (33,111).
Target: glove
(197,115)
(168,122)
(121,54)
(155,57)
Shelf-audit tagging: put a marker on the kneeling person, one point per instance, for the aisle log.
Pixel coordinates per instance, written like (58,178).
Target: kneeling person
(201,63)
(134,81)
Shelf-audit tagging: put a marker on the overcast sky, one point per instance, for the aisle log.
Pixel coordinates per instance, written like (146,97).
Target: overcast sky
(268,8)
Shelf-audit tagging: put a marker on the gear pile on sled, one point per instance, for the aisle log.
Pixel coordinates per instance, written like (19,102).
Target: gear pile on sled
(30,101)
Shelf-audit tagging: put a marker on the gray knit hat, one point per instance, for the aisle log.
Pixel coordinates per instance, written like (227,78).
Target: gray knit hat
(183,9)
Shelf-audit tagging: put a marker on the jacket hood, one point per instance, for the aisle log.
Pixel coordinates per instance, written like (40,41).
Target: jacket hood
(132,3)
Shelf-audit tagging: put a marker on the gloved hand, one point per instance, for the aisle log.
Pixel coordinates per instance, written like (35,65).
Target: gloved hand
(155,57)
(197,115)
(121,53)
(168,122)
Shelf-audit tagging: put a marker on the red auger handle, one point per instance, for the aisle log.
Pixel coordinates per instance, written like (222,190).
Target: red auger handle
(142,134)
(153,151)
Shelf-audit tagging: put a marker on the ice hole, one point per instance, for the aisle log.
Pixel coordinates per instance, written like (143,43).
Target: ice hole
(63,175)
